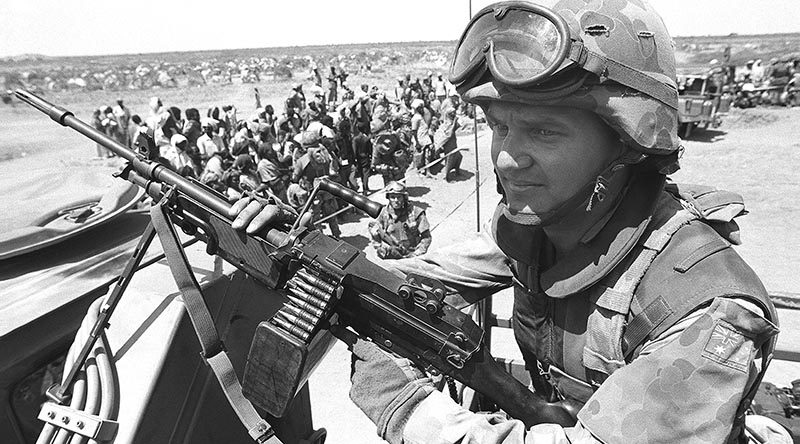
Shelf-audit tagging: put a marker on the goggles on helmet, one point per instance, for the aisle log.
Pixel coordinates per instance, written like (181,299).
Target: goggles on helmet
(524,45)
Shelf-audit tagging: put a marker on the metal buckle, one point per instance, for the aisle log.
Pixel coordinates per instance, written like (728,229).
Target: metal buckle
(76,421)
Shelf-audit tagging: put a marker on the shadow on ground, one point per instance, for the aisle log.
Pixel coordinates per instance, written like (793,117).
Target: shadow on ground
(417,191)
(351,216)
(463,176)
(421,204)
(707,135)
(358,241)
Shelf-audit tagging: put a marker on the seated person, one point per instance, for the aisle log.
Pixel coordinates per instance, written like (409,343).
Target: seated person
(401,229)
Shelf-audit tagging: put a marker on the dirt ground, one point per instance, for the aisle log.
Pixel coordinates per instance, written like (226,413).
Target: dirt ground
(755,152)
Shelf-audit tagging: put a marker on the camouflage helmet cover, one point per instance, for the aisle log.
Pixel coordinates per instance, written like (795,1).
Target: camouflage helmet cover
(396,188)
(628,32)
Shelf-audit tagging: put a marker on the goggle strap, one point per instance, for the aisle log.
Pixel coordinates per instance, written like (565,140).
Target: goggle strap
(606,68)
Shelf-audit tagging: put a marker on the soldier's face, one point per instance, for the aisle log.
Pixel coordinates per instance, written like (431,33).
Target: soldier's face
(397,201)
(544,155)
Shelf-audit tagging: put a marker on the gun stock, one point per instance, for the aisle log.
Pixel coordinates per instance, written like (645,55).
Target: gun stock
(405,316)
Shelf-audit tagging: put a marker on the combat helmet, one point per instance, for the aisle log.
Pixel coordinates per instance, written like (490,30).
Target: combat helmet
(395,188)
(613,58)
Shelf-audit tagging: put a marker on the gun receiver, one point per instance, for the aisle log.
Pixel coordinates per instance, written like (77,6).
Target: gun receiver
(325,281)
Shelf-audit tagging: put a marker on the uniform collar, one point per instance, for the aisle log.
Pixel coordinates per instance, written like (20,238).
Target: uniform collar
(598,253)
(394,215)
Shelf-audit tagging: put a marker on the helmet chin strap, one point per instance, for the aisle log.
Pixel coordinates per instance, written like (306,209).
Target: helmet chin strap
(588,197)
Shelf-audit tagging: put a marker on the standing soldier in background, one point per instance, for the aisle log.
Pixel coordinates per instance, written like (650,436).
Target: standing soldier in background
(389,158)
(401,230)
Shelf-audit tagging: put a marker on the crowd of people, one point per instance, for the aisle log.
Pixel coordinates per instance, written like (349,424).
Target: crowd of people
(339,134)
(776,82)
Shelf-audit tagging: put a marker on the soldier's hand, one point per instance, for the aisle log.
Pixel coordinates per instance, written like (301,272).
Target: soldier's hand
(375,232)
(385,387)
(254,214)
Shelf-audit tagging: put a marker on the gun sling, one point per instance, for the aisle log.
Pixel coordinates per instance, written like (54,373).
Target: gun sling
(213,349)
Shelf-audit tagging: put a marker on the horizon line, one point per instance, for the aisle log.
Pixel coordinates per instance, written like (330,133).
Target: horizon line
(34,55)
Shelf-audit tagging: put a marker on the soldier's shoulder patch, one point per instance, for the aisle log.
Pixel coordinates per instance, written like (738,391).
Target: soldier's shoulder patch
(729,347)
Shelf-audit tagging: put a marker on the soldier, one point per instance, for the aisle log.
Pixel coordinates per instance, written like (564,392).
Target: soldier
(401,229)
(633,313)
(388,158)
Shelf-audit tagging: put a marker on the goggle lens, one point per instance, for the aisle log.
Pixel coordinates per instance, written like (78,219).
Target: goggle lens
(518,44)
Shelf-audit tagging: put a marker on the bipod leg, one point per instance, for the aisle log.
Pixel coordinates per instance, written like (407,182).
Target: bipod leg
(59,392)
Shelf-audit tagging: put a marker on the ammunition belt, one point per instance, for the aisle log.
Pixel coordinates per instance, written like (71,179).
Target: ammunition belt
(311,296)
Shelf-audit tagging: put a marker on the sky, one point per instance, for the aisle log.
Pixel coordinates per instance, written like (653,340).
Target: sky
(62,28)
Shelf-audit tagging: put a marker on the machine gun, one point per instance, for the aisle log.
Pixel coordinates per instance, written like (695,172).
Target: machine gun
(325,281)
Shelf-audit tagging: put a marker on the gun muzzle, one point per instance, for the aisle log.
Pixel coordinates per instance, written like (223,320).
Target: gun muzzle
(55,112)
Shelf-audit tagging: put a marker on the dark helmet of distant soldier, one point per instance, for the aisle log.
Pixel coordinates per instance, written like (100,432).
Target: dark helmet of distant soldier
(395,188)
(626,32)
(386,143)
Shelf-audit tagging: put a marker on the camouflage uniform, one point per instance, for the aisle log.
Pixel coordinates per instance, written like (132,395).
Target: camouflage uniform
(683,383)
(397,235)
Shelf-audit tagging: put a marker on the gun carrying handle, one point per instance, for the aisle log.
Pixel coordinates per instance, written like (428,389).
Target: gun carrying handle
(357,200)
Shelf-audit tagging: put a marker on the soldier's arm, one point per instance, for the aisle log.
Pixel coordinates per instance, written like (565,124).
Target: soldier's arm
(475,268)
(424,229)
(423,245)
(377,227)
(688,381)
(683,386)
